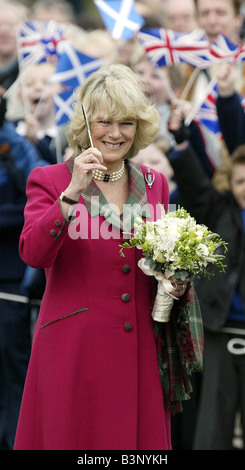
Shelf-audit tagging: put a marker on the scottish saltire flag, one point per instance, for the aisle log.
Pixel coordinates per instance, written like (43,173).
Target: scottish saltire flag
(72,69)
(37,41)
(167,47)
(120,17)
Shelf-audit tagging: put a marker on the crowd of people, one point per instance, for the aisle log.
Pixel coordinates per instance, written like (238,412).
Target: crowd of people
(199,170)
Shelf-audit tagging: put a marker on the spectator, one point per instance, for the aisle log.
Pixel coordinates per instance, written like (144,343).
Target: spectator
(220,17)
(154,156)
(37,98)
(229,103)
(17,158)
(179,16)
(60,11)
(222,297)
(216,17)
(12,12)
(161,84)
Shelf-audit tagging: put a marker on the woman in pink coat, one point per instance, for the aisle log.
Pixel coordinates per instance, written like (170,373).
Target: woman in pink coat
(93,380)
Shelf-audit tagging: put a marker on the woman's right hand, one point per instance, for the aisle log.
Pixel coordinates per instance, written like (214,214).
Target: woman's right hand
(84,164)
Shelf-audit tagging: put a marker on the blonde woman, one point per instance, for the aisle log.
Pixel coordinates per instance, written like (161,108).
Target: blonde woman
(93,380)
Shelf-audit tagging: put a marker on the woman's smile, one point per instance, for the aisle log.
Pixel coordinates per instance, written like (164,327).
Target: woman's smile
(112,145)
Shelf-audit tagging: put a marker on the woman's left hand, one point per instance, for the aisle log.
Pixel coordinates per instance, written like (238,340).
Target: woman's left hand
(179,286)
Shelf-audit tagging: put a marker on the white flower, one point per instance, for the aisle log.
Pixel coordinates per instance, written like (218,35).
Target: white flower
(202,250)
(176,242)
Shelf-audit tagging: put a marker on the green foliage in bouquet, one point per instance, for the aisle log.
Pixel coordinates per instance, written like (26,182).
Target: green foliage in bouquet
(177,244)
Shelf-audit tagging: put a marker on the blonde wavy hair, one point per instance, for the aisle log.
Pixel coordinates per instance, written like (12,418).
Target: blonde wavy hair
(115,90)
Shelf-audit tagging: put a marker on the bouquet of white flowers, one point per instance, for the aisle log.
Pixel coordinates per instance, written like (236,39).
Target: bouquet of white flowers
(174,245)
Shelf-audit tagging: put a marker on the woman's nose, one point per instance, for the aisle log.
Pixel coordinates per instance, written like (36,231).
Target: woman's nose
(114,130)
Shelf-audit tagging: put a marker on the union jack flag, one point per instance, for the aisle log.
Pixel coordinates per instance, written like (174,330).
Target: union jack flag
(207,113)
(38,41)
(224,49)
(120,17)
(72,69)
(167,47)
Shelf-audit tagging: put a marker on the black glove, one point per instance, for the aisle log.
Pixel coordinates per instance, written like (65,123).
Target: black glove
(182,134)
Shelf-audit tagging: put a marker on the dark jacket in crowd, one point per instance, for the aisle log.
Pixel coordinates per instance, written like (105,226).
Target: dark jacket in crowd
(222,215)
(231,120)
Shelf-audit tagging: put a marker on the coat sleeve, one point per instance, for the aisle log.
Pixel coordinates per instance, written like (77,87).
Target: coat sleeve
(230,108)
(45,228)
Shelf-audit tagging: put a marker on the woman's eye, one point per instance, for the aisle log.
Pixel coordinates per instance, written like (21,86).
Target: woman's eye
(104,122)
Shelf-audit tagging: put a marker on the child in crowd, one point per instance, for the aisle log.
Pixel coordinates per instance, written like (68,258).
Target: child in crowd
(161,85)
(37,97)
(154,156)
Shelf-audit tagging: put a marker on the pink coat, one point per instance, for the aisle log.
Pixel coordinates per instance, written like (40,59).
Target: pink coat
(93,380)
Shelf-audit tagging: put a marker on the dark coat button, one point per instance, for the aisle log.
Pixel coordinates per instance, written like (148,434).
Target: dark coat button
(125,298)
(128,326)
(57,223)
(126,269)
(53,233)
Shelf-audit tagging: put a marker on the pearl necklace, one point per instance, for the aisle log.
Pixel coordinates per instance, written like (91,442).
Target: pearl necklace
(115,176)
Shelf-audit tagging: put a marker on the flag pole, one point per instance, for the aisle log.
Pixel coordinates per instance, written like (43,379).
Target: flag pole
(196,107)
(22,73)
(189,83)
(58,147)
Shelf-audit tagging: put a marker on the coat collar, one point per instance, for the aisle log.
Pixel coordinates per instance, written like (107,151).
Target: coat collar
(136,205)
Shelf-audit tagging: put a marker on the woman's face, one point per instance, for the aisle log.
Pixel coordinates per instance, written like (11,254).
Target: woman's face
(113,138)
(238,184)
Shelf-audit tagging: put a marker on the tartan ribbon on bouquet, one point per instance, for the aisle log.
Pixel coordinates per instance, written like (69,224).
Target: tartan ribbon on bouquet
(180,345)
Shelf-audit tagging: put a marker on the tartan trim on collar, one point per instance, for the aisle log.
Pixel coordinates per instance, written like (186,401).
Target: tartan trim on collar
(136,204)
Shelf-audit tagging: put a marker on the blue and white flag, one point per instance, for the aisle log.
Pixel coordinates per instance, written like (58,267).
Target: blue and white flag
(120,17)
(72,69)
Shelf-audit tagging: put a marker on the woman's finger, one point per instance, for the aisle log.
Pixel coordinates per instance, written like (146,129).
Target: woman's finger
(88,152)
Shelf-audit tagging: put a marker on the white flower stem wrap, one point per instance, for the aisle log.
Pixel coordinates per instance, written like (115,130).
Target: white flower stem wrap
(164,299)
